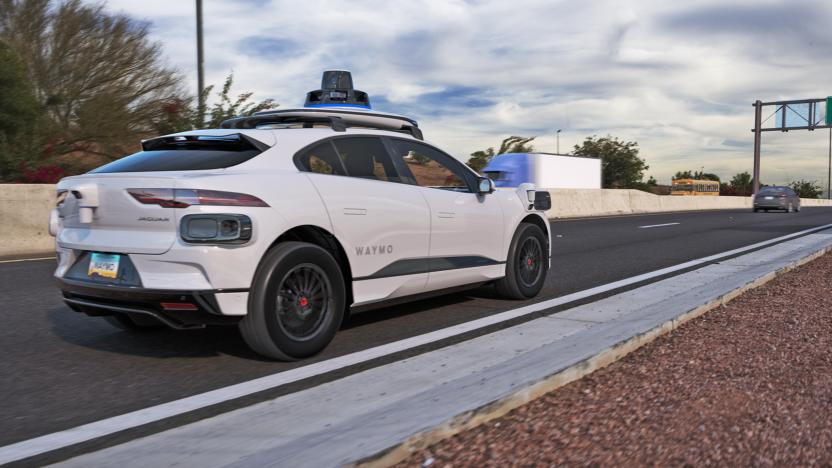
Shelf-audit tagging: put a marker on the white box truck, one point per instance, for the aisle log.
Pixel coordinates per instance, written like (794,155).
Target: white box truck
(544,170)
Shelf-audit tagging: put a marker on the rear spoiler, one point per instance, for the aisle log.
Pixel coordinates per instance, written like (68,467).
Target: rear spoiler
(240,140)
(336,123)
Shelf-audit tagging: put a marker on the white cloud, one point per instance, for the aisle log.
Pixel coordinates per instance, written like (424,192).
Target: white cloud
(677,79)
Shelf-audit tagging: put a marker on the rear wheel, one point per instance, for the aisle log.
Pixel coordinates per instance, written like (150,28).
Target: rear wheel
(296,302)
(134,322)
(527,264)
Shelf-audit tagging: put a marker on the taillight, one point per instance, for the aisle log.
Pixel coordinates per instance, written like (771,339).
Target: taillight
(165,198)
(183,198)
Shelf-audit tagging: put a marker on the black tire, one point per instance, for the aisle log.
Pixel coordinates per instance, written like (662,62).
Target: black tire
(527,264)
(134,322)
(296,303)
(756,210)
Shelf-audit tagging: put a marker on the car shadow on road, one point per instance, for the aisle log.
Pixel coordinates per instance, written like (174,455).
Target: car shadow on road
(96,333)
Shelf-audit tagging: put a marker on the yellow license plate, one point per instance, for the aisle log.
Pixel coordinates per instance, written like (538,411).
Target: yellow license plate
(104,265)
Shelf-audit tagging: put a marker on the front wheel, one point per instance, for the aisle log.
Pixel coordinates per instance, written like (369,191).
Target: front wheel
(296,302)
(527,264)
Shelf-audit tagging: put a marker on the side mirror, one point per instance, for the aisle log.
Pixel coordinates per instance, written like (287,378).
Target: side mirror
(485,185)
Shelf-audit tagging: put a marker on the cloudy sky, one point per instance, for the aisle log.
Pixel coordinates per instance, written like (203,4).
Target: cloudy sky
(677,77)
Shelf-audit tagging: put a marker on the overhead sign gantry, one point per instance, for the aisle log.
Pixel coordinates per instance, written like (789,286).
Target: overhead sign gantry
(801,114)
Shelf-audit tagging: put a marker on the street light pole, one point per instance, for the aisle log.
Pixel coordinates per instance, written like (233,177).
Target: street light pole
(557,134)
(200,63)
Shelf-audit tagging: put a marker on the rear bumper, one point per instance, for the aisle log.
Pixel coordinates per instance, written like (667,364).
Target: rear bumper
(772,204)
(99,300)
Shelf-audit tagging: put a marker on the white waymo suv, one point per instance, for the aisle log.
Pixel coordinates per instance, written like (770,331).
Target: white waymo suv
(284,221)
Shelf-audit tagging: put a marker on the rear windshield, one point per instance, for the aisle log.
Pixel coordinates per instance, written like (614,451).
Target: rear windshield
(186,153)
(772,191)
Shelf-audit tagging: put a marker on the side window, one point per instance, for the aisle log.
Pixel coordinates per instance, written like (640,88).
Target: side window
(366,158)
(320,159)
(431,168)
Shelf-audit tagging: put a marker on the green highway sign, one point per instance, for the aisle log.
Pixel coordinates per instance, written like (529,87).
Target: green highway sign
(829,110)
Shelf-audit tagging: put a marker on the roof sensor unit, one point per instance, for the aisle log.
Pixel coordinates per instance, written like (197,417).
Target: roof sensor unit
(337,91)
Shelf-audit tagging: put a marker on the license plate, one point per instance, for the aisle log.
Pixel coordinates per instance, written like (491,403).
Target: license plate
(104,265)
(769,198)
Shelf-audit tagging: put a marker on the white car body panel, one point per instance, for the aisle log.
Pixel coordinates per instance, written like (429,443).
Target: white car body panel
(407,222)
(357,209)
(464,225)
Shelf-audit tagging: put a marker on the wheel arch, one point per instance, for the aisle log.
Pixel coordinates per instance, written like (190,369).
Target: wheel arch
(540,221)
(322,238)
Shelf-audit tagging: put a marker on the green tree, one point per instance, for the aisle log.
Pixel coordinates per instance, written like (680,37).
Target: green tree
(741,184)
(20,115)
(18,106)
(99,78)
(183,114)
(512,144)
(620,165)
(806,188)
(698,175)
(226,107)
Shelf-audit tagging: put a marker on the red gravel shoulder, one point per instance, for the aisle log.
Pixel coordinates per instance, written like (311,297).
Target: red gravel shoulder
(746,384)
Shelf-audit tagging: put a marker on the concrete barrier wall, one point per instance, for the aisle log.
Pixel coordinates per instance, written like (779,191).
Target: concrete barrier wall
(577,203)
(24,210)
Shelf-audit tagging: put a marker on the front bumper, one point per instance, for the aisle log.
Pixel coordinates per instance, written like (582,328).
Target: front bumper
(103,299)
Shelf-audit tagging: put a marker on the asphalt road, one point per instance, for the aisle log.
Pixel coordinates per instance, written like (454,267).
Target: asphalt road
(61,369)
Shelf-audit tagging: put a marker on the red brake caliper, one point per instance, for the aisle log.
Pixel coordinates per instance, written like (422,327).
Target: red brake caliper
(303,301)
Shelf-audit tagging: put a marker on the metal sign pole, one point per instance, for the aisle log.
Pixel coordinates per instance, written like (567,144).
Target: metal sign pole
(758,117)
(829,170)
(200,64)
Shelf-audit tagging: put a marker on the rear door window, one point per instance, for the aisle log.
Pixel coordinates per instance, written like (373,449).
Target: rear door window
(186,153)
(366,158)
(320,159)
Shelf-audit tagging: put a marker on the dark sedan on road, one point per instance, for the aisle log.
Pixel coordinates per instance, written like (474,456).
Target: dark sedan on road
(776,198)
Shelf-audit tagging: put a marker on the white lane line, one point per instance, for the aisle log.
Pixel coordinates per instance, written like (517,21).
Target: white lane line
(104,427)
(658,225)
(27,260)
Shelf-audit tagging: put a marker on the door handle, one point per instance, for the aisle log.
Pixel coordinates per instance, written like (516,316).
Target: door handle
(445,214)
(355,211)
